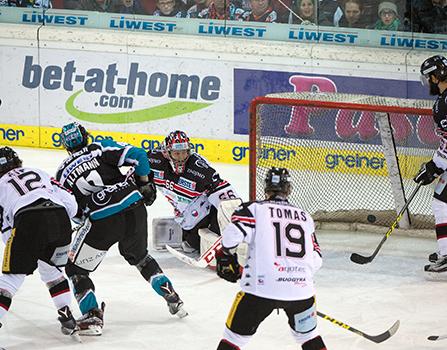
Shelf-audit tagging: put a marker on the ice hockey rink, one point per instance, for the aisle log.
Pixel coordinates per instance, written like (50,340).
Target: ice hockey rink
(368,297)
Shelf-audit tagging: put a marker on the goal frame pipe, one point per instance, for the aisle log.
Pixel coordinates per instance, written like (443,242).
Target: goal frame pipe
(260,100)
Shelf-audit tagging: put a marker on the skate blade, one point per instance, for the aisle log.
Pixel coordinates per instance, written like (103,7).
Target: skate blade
(91,331)
(181,313)
(75,336)
(435,276)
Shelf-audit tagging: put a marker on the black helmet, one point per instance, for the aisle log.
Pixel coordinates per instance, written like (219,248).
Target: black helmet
(9,160)
(74,137)
(277,180)
(435,65)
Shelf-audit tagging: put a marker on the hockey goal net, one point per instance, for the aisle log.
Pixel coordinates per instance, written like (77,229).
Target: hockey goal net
(352,157)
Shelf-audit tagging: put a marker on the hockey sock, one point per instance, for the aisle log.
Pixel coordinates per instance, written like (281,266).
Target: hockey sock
(441,236)
(314,344)
(5,302)
(161,284)
(84,291)
(226,345)
(60,292)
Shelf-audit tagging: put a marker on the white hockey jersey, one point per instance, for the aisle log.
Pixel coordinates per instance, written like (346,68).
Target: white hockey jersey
(23,186)
(283,253)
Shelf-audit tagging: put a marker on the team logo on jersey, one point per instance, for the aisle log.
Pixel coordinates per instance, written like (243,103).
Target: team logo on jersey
(158,174)
(201,163)
(190,185)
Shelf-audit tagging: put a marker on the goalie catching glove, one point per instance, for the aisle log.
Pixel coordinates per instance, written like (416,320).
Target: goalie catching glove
(428,173)
(227,266)
(147,190)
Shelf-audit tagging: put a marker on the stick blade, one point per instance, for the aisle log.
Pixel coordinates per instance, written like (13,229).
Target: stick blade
(385,335)
(360,259)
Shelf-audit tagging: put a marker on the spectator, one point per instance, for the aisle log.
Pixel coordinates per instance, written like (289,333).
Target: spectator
(222,9)
(170,8)
(388,19)
(148,7)
(27,3)
(305,13)
(282,9)
(199,6)
(261,11)
(329,13)
(353,16)
(126,7)
(429,16)
(94,5)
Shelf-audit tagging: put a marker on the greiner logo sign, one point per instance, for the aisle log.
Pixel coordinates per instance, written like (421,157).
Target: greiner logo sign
(137,82)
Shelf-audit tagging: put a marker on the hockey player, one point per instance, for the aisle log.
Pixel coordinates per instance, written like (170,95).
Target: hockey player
(191,185)
(434,74)
(283,255)
(35,224)
(112,210)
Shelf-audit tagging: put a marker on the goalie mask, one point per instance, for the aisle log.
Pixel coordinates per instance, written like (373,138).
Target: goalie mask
(74,137)
(434,66)
(277,181)
(9,160)
(177,149)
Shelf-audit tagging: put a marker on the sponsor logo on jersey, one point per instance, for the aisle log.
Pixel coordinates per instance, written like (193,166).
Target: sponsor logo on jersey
(261,280)
(190,185)
(154,160)
(158,174)
(196,173)
(296,280)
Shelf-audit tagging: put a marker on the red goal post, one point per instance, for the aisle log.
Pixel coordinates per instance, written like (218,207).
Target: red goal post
(351,157)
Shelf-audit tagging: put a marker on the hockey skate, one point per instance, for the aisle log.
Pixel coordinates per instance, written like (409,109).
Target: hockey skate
(175,305)
(189,250)
(68,323)
(437,270)
(433,257)
(92,322)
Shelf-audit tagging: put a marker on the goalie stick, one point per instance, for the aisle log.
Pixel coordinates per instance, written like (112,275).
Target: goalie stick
(204,260)
(374,338)
(361,259)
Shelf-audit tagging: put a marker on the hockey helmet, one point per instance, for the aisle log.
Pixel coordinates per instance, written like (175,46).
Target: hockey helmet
(436,66)
(74,137)
(177,141)
(277,180)
(9,160)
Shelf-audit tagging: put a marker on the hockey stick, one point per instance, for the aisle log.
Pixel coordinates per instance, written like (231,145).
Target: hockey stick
(360,259)
(204,260)
(374,338)
(437,337)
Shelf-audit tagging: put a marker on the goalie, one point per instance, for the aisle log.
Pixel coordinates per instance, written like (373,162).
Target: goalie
(191,185)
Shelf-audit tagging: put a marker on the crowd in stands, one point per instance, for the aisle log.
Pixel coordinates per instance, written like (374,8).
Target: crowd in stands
(426,16)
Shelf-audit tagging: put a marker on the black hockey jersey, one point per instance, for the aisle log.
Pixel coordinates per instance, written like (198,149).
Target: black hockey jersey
(94,176)
(192,192)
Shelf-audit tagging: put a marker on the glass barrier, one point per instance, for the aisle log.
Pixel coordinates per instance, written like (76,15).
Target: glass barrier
(416,24)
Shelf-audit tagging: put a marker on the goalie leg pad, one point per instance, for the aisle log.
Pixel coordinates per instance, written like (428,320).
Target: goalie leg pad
(148,267)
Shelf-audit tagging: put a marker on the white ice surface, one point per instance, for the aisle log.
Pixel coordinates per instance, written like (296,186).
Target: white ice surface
(369,297)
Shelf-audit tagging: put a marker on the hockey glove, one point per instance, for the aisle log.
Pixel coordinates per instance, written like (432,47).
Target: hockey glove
(148,191)
(428,173)
(227,266)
